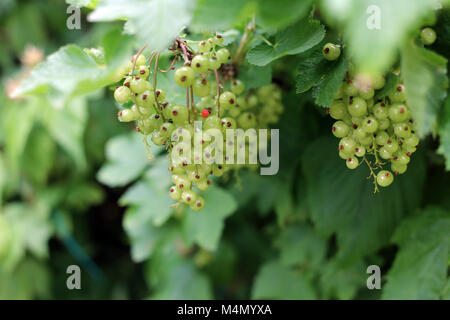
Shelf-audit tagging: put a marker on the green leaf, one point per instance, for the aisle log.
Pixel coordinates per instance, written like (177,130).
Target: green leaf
(213,15)
(277,14)
(374,49)
(67,125)
(293,40)
(363,221)
(126,159)
(183,282)
(444,134)
(312,68)
(325,92)
(425,79)
(343,282)
(300,245)
(155,23)
(255,77)
(71,71)
(276,281)
(420,267)
(143,235)
(150,196)
(206,227)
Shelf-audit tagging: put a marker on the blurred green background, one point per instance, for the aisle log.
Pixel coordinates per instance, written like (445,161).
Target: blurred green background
(76,188)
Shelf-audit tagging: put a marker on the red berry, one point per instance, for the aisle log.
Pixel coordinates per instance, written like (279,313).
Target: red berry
(205,113)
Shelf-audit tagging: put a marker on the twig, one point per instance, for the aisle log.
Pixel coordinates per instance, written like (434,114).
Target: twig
(171,65)
(135,59)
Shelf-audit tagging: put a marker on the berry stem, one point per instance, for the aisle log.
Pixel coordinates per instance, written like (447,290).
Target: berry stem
(171,66)
(192,102)
(155,81)
(149,63)
(187,104)
(218,92)
(135,59)
(372,174)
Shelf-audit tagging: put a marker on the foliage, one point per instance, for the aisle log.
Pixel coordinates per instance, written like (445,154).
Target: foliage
(77,187)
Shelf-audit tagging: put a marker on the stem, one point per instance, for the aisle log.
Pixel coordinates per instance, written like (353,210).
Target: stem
(187,104)
(171,65)
(239,57)
(149,63)
(155,81)
(218,92)
(135,59)
(185,53)
(192,103)
(372,174)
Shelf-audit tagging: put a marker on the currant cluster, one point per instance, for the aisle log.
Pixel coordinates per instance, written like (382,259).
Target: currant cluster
(382,128)
(217,105)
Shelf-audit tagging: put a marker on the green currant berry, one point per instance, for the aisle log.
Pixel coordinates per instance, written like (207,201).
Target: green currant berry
(331,51)
(381,138)
(204,46)
(157,139)
(138,85)
(370,124)
(218,39)
(352,163)
(367,93)
(378,81)
(384,124)
(189,196)
(203,184)
(200,63)
(223,55)
(357,107)
(166,129)
(338,110)
(122,94)
(247,120)
(227,100)
(384,178)
(380,111)
(184,76)
(201,87)
(391,145)
(143,72)
(384,154)
(398,168)
(344,155)
(228,123)
(198,204)
(218,170)
(340,129)
(212,122)
(141,60)
(402,130)
(350,89)
(179,114)
(428,36)
(367,141)
(214,63)
(360,151)
(348,145)
(175,193)
(146,99)
(412,140)
(398,113)
(237,87)
(398,96)
(160,94)
(359,133)
(128,115)
(401,158)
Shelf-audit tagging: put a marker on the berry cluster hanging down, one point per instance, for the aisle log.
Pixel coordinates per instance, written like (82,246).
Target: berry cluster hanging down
(217,104)
(382,129)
